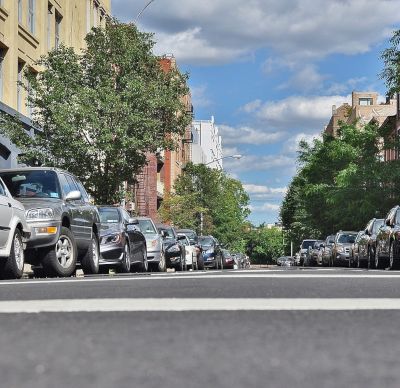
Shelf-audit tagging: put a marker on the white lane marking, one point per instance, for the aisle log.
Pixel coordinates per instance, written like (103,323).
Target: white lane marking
(212,276)
(145,305)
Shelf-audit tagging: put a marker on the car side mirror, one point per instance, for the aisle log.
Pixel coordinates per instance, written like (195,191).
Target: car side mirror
(73,196)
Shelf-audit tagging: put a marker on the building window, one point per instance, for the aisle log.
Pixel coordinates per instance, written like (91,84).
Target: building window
(31,16)
(365,101)
(19,85)
(49,24)
(20,11)
(95,14)
(57,30)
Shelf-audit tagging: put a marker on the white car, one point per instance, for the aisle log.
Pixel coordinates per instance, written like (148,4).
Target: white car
(14,233)
(191,252)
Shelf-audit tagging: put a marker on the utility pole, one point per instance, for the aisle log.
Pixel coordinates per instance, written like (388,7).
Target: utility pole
(144,9)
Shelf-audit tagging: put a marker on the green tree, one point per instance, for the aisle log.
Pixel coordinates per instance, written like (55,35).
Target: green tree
(265,245)
(100,111)
(391,61)
(210,194)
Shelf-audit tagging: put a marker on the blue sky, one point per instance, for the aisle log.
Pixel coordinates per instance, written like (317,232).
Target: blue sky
(269,72)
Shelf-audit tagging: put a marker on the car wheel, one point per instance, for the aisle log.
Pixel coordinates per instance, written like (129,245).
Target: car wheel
(13,267)
(200,263)
(60,259)
(90,261)
(144,265)
(393,263)
(162,264)
(378,261)
(125,266)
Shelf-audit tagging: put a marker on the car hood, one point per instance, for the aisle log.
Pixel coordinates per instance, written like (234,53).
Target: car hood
(34,203)
(106,229)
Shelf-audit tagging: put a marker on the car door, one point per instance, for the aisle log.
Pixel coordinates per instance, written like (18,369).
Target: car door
(383,240)
(86,211)
(134,236)
(6,214)
(74,206)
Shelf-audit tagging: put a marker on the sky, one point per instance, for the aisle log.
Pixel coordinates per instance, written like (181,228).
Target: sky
(269,72)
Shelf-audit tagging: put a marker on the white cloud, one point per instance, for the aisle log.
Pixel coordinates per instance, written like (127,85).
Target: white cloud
(213,31)
(199,96)
(300,113)
(259,189)
(292,144)
(251,106)
(261,163)
(265,208)
(248,135)
(306,79)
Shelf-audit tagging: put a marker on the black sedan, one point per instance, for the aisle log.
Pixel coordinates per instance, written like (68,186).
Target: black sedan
(211,252)
(122,244)
(175,255)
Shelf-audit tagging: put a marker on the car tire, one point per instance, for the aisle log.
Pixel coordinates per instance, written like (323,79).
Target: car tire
(125,266)
(60,259)
(90,261)
(144,265)
(393,262)
(162,264)
(200,263)
(13,266)
(379,262)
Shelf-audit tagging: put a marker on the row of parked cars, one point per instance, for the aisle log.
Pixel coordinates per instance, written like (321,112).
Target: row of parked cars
(47,220)
(376,246)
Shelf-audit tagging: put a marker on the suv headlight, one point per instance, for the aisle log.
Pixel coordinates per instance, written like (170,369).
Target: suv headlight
(40,214)
(340,249)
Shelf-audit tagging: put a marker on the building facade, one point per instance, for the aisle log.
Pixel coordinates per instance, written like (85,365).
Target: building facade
(207,143)
(363,109)
(28,30)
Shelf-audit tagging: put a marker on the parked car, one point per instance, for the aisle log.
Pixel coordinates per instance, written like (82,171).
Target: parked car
(154,241)
(211,252)
(387,252)
(366,245)
(194,241)
(354,250)
(341,247)
(174,250)
(312,257)
(304,249)
(191,235)
(64,224)
(285,261)
(14,233)
(227,259)
(191,252)
(326,251)
(122,244)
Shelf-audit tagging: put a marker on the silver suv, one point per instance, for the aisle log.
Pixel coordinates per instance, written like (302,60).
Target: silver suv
(64,224)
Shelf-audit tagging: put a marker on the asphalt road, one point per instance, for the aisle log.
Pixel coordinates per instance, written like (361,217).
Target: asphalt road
(271,328)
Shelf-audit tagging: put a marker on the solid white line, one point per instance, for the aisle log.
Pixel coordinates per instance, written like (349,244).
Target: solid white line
(211,276)
(148,305)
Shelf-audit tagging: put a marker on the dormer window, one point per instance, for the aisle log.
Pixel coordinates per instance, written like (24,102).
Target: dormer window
(365,101)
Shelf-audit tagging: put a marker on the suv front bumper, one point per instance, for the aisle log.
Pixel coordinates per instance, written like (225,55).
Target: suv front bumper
(43,234)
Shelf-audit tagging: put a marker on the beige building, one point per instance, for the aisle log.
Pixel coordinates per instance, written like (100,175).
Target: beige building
(28,30)
(363,109)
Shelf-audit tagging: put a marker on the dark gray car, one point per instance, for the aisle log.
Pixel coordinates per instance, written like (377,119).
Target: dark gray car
(64,224)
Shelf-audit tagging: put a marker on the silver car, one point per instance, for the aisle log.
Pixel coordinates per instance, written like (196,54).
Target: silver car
(14,232)
(155,251)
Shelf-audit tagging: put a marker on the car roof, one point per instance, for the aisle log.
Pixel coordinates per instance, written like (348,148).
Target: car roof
(34,169)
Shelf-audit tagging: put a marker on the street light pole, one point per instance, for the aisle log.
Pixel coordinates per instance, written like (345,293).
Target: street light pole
(224,157)
(144,9)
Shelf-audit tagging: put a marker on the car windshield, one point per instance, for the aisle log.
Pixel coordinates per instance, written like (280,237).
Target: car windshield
(307,244)
(147,227)
(330,239)
(32,183)
(169,233)
(205,240)
(347,238)
(190,235)
(377,225)
(184,241)
(109,215)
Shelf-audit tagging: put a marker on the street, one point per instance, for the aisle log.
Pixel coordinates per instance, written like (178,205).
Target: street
(215,329)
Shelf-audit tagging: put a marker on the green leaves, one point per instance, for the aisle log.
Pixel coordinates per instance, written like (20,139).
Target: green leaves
(100,111)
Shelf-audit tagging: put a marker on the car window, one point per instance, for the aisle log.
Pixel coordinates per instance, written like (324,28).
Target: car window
(32,183)
(147,227)
(66,184)
(2,190)
(345,238)
(109,215)
(377,225)
(306,244)
(206,241)
(169,233)
(184,241)
(81,188)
